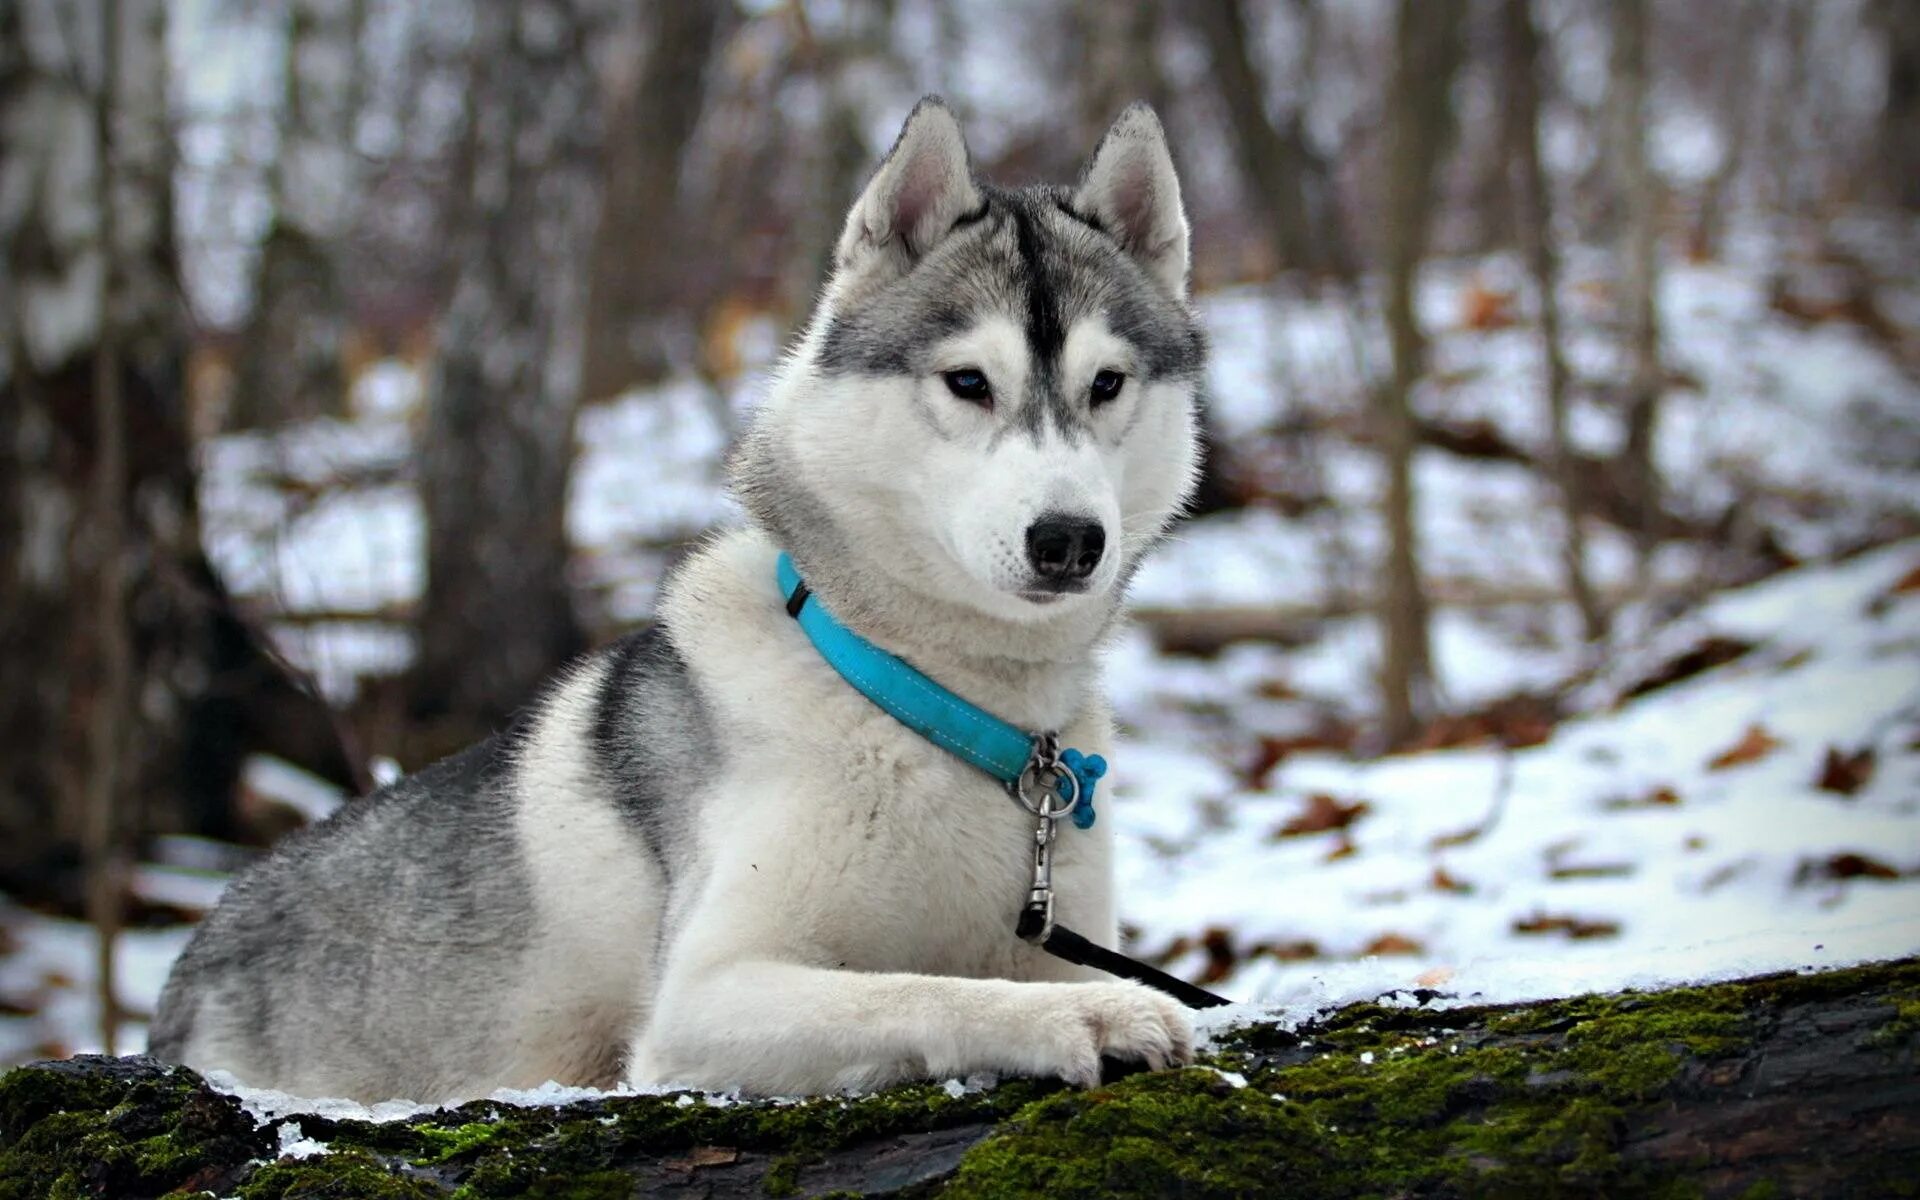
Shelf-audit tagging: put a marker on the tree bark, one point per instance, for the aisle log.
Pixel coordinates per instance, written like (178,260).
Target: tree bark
(290,362)
(497,617)
(1792,1085)
(1900,119)
(132,689)
(637,267)
(1418,127)
(1639,272)
(1533,208)
(1117,61)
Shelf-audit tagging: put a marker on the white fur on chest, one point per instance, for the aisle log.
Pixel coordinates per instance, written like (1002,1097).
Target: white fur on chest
(839,836)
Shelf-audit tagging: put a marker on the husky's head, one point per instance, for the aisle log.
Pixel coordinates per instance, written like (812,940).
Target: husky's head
(994,403)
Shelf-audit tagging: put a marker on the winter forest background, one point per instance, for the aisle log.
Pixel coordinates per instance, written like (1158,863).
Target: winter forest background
(1551,612)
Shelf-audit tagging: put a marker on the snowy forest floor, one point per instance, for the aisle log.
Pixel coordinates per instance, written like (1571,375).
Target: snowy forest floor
(1732,787)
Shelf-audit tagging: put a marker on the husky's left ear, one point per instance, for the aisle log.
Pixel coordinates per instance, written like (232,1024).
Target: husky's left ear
(1131,188)
(912,201)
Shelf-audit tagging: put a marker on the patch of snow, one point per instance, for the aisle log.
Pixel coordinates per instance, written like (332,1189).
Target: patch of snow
(277,779)
(296,1144)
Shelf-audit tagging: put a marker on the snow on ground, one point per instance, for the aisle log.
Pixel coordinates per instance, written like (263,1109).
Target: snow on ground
(1688,817)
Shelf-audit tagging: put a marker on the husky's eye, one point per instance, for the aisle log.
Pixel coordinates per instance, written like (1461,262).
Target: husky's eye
(1106,385)
(969,384)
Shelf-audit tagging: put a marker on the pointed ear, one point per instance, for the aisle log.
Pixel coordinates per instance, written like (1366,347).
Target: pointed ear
(1130,186)
(923,187)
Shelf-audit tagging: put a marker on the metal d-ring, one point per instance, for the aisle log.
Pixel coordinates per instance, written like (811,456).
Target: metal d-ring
(1049,804)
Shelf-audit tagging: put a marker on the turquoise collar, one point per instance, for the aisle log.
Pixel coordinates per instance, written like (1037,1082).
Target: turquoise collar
(1024,762)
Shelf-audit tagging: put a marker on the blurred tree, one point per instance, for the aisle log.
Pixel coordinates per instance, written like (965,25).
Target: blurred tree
(1900,118)
(1293,185)
(290,354)
(1116,51)
(1532,208)
(1639,275)
(133,690)
(1418,125)
(498,614)
(638,266)
(1736,109)
(1117,62)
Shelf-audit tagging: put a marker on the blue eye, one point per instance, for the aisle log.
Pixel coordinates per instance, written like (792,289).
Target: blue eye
(970,385)
(1106,385)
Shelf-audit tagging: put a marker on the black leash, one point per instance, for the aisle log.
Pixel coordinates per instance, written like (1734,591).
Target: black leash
(1062,942)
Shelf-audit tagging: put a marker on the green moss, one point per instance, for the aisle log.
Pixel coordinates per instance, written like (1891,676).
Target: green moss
(116,1127)
(1182,1133)
(1899,1034)
(451,1143)
(1381,1101)
(348,1172)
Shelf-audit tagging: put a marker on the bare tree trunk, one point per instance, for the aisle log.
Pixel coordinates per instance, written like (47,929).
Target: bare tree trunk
(106,726)
(1293,185)
(1533,208)
(290,354)
(1418,127)
(1118,49)
(1639,276)
(1737,109)
(498,614)
(132,691)
(637,265)
(1900,119)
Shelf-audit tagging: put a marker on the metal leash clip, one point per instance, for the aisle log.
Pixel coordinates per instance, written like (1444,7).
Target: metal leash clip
(1049,791)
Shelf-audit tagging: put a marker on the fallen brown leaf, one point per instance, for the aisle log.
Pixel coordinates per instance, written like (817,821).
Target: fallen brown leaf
(1845,773)
(1660,797)
(1299,951)
(1708,653)
(1755,744)
(1573,927)
(1600,870)
(1272,751)
(1847,865)
(1221,958)
(1344,848)
(1443,881)
(1435,977)
(1484,309)
(1515,722)
(1394,943)
(1459,837)
(1323,813)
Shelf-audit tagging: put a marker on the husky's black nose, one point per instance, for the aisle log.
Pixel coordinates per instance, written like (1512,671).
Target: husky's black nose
(1063,548)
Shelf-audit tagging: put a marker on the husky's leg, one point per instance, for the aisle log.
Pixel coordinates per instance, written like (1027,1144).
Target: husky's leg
(782,1028)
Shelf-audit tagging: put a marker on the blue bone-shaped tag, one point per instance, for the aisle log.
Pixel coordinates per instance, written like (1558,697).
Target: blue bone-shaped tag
(1087,769)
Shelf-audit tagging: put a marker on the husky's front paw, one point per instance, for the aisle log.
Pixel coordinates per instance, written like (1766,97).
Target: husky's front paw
(1124,1021)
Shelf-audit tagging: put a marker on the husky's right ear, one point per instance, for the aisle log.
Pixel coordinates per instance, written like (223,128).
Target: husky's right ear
(911,203)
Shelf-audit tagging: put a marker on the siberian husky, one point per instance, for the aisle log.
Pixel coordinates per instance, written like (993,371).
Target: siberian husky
(700,856)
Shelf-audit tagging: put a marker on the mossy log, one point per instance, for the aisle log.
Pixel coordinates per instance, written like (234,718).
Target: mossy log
(1788,1085)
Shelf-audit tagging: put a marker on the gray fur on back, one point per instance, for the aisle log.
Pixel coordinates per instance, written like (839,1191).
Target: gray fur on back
(379,937)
